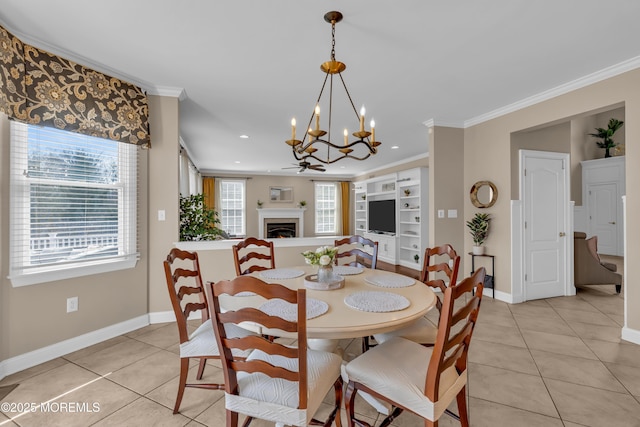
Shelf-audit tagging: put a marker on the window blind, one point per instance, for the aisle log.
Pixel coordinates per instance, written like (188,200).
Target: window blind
(72,201)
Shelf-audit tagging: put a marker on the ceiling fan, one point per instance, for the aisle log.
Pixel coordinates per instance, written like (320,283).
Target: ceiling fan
(304,165)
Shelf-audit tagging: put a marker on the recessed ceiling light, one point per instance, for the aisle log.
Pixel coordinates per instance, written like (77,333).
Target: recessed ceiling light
(237,161)
(244,136)
(394,147)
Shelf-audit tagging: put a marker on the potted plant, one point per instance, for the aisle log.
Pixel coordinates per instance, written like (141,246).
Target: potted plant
(479,230)
(259,203)
(198,222)
(606,135)
(303,203)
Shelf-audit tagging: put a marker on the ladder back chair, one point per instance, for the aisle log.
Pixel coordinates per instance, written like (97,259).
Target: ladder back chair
(422,380)
(440,259)
(184,282)
(277,383)
(250,250)
(362,258)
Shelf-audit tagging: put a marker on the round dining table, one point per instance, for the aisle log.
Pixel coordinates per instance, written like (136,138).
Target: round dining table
(370,302)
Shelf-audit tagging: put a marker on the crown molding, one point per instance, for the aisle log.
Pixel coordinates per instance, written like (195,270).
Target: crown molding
(443,123)
(173,92)
(598,76)
(394,164)
(79,59)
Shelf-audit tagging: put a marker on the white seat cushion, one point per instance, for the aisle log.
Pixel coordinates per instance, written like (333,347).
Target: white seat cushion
(202,342)
(421,331)
(275,399)
(397,369)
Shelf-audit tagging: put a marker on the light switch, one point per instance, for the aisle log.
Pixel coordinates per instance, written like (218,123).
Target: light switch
(161,215)
(440,213)
(452,213)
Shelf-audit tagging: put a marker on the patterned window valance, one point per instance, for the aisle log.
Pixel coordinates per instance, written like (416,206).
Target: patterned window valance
(38,87)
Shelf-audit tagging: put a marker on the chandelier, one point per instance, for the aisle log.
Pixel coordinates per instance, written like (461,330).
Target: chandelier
(316,143)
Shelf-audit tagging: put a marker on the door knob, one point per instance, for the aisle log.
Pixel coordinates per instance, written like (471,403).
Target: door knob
(612,222)
(561,234)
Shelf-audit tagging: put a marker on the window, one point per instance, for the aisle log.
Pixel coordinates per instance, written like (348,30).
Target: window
(326,207)
(232,207)
(73,204)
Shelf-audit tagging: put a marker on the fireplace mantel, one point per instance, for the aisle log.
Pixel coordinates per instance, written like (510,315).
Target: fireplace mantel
(281,213)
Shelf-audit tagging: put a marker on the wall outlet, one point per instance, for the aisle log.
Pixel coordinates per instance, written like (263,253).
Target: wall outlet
(72,304)
(161,215)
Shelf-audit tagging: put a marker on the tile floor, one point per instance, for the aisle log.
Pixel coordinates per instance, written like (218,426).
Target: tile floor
(554,362)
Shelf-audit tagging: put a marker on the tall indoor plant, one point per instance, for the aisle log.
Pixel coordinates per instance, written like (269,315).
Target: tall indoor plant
(479,230)
(198,222)
(606,135)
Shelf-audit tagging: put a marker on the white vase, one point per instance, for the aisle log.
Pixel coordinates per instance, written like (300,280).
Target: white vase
(478,250)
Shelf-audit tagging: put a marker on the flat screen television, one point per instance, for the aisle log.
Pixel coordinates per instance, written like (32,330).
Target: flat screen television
(382,216)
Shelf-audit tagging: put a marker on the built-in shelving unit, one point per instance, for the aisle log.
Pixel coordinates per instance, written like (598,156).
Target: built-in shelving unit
(409,189)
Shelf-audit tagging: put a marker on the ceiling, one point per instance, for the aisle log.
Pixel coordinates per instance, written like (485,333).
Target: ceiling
(246,67)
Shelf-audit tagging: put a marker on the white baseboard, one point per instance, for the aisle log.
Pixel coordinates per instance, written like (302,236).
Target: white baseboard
(50,352)
(169,316)
(631,335)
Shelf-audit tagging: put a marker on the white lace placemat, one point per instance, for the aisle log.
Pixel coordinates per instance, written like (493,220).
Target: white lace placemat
(288,311)
(347,270)
(390,280)
(376,301)
(281,273)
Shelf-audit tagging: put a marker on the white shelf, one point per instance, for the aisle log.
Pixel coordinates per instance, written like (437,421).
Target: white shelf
(397,249)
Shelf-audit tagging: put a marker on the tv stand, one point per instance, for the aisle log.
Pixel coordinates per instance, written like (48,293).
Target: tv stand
(409,189)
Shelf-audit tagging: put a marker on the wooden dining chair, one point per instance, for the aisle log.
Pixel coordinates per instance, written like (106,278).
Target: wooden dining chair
(357,254)
(440,263)
(278,383)
(184,282)
(251,250)
(422,380)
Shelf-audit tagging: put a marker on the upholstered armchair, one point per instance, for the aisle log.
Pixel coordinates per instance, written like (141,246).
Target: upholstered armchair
(588,268)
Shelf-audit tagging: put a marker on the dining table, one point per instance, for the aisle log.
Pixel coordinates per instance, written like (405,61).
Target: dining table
(367,302)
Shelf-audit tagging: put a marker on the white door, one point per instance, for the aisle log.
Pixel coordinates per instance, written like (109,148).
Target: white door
(545,206)
(603,214)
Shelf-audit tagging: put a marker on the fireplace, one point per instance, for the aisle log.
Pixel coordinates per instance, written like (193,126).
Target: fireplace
(278,230)
(291,218)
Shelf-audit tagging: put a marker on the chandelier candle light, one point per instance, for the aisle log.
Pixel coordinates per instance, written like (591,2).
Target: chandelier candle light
(306,150)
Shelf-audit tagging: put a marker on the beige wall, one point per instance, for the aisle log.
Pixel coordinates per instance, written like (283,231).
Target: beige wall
(303,189)
(446,189)
(423,162)
(488,148)
(35,316)
(163,195)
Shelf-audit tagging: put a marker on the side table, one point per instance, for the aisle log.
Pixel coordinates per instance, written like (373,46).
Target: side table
(489,279)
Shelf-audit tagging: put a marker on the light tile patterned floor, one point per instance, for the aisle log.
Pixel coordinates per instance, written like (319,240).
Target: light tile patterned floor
(555,362)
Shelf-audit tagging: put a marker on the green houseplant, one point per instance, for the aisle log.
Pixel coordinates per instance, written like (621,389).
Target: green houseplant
(606,135)
(479,230)
(197,222)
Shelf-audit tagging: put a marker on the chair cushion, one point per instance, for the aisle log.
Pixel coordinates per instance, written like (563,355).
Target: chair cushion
(276,399)
(397,369)
(421,331)
(202,342)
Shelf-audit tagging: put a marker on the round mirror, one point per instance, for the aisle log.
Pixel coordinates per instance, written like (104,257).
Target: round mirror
(484,194)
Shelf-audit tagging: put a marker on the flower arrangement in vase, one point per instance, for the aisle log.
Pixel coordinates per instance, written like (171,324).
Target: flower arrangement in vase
(479,230)
(322,257)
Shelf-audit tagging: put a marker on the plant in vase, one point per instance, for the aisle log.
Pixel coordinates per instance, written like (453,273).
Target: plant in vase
(416,257)
(322,257)
(303,203)
(259,203)
(479,230)
(606,135)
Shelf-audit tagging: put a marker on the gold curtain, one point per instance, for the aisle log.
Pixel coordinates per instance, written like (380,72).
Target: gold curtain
(40,88)
(209,191)
(12,76)
(345,205)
